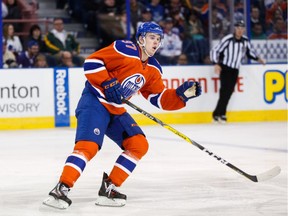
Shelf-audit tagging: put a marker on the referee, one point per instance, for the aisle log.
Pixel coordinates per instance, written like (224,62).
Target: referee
(227,57)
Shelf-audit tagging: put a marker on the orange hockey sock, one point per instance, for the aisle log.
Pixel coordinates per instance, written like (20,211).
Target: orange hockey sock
(75,164)
(135,148)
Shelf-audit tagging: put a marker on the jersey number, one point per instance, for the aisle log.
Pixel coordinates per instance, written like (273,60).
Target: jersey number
(129,44)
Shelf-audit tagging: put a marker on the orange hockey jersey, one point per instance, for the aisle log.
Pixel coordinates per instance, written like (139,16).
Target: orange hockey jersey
(121,60)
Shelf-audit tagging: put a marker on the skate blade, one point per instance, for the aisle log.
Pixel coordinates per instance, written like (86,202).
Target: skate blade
(55,203)
(104,201)
(219,122)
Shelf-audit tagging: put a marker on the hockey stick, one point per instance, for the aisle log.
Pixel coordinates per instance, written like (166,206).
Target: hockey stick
(255,178)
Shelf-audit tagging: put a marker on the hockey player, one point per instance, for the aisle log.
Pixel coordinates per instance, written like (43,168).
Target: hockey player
(115,72)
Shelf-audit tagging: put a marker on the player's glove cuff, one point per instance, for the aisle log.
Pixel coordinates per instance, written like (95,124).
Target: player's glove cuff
(188,90)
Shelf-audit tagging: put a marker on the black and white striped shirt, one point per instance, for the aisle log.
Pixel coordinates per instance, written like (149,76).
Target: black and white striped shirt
(231,51)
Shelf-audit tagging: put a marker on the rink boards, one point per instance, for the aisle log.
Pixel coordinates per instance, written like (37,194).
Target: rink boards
(47,98)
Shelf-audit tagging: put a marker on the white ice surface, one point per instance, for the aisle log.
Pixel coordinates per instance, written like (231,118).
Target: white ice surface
(175,178)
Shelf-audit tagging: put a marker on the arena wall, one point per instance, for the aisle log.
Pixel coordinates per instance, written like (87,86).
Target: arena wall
(47,98)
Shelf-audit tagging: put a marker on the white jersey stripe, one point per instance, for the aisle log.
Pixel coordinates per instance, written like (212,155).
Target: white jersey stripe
(94,61)
(94,70)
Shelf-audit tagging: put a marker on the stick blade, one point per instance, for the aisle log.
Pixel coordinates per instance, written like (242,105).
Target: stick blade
(268,174)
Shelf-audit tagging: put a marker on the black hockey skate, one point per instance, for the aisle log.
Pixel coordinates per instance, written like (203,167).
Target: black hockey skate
(108,194)
(219,119)
(58,197)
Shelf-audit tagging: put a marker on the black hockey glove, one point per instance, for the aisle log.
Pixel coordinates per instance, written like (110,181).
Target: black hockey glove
(113,91)
(188,90)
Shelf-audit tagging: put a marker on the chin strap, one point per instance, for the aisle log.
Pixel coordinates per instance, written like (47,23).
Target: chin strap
(143,46)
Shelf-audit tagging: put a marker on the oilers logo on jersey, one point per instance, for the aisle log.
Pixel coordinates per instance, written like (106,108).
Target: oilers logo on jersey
(132,84)
(121,60)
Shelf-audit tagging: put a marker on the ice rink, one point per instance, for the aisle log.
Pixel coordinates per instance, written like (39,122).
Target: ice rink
(175,178)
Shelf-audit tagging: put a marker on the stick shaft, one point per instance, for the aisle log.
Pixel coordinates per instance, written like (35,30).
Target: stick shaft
(183,136)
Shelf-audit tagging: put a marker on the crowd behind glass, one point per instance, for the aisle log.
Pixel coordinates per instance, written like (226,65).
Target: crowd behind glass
(185,24)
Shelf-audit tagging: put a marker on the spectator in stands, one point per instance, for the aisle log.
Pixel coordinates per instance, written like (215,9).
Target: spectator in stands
(222,13)
(238,10)
(136,8)
(217,25)
(26,58)
(59,40)
(66,59)
(13,41)
(110,7)
(182,59)
(261,5)
(75,8)
(118,30)
(257,32)
(278,14)
(195,37)
(123,30)
(146,16)
(89,14)
(169,53)
(107,19)
(175,6)
(14,12)
(179,13)
(221,7)
(193,27)
(40,61)
(278,5)
(256,18)
(279,30)
(35,33)
(4,10)
(179,24)
(157,10)
(202,8)
(9,59)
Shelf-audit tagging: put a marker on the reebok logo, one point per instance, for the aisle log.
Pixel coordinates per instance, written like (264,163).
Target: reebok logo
(60,92)
(61,97)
